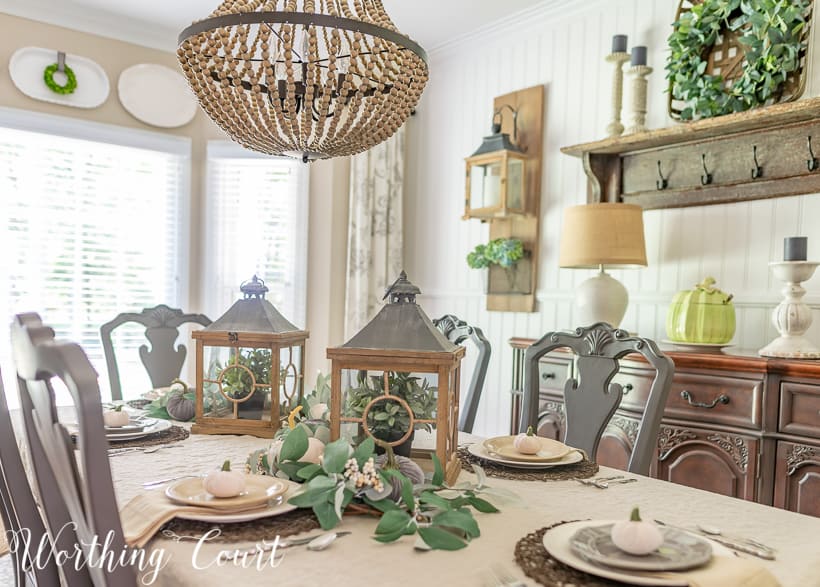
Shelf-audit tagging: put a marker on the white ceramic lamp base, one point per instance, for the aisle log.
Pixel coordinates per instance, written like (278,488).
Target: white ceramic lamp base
(601,299)
(792,317)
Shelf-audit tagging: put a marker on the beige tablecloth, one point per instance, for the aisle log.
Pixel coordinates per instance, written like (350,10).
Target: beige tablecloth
(359,560)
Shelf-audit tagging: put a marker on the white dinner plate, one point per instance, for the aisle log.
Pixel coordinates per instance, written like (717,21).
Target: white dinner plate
(156,95)
(557,542)
(479,450)
(158,426)
(275,508)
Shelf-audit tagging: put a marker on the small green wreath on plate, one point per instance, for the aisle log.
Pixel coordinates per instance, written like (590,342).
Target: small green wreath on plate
(771,32)
(70,84)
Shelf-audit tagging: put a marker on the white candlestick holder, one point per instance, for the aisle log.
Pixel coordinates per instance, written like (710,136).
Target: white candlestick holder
(639,87)
(792,317)
(615,128)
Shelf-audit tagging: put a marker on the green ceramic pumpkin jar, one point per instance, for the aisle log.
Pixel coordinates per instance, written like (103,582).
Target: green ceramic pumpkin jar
(703,315)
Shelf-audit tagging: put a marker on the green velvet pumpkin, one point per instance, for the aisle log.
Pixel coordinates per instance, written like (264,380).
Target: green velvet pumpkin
(703,315)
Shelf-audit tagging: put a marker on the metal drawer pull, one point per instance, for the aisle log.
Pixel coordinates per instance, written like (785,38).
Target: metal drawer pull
(626,389)
(549,375)
(721,399)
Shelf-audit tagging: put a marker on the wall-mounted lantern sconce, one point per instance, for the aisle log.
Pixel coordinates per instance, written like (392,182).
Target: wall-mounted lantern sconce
(503,187)
(496,173)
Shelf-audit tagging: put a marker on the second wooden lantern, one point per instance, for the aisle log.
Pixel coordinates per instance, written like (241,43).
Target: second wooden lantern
(397,376)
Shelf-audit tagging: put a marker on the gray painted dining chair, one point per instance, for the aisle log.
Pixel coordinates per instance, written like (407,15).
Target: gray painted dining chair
(592,398)
(458,332)
(76,494)
(18,509)
(162,361)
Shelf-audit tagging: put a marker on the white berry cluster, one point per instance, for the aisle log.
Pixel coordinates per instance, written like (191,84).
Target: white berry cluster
(367,477)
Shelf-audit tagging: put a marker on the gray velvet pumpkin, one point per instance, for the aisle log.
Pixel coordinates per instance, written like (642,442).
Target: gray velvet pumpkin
(179,407)
(408,468)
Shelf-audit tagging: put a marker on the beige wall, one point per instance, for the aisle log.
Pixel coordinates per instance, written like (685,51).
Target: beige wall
(329,179)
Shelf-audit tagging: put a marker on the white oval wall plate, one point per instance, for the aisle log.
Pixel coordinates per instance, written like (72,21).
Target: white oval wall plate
(156,95)
(26,68)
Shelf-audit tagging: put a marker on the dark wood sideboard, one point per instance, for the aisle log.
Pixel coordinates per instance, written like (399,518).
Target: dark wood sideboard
(735,423)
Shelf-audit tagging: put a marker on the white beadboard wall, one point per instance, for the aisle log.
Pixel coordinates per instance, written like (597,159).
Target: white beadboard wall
(562,45)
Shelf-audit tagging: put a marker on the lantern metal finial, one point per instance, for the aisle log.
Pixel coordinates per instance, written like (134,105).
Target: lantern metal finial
(255,288)
(402,291)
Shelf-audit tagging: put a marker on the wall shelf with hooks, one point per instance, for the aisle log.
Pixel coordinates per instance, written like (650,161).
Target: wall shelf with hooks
(763,153)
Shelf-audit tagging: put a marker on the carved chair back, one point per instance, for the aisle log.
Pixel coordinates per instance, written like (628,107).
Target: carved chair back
(19,511)
(162,361)
(77,494)
(592,397)
(458,332)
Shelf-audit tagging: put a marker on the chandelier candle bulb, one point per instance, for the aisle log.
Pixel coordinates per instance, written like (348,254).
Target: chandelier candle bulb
(795,248)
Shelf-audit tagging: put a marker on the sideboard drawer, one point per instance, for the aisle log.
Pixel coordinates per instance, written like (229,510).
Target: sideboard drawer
(635,384)
(553,372)
(732,401)
(799,409)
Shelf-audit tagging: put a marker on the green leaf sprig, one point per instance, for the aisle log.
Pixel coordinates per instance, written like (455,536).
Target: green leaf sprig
(441,516)
(505,252)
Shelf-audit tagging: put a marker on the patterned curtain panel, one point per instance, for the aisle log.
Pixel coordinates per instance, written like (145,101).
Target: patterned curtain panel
(374,250)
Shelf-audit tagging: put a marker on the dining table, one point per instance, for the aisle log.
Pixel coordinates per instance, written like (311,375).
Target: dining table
(358,559)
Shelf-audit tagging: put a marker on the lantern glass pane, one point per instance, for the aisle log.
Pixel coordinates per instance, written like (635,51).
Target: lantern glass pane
(388,405)
(515,184)
(237,383)
(290,379)
(485,185)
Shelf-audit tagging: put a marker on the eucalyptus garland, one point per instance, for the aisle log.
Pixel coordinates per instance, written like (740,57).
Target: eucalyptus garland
(772,35)
(70,84)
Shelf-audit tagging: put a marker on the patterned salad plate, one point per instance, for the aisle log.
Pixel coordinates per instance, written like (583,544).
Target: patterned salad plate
(551,450)
(259,489)
(679,551)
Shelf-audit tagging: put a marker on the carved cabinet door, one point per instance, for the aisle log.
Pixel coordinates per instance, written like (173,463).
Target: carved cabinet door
(551,422)
(617,441)
(797,478)
(720,462)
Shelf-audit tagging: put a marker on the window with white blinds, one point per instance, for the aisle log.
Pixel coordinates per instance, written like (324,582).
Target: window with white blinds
(92,224)
(256,224)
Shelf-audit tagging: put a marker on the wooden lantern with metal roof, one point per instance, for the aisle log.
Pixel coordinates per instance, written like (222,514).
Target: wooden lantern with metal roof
(249,367)
(397,376)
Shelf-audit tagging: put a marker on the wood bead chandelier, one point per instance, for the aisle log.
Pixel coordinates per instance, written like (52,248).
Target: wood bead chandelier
(304,78)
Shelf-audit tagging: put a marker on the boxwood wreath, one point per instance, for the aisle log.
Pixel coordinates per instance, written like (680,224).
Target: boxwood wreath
(772,38)
(70,84)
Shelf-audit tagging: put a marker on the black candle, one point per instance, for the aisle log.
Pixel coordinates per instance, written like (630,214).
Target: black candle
(638,56)
(619,44)
(795,248)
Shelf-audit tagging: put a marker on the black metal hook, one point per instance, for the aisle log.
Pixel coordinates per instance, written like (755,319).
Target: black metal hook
(706,178)
(662,183)
(812,162)
(757,171)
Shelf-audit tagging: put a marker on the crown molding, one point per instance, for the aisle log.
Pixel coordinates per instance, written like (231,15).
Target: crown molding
(96,22)
(529,18)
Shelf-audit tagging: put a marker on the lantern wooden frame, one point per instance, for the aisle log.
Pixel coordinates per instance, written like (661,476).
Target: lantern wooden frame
(275,343)
(445,364)
(503,209)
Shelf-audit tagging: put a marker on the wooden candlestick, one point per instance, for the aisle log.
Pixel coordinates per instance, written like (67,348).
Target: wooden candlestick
(639,85)
(615,128)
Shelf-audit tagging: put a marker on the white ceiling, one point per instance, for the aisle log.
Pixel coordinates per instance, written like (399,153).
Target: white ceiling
(156,23)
